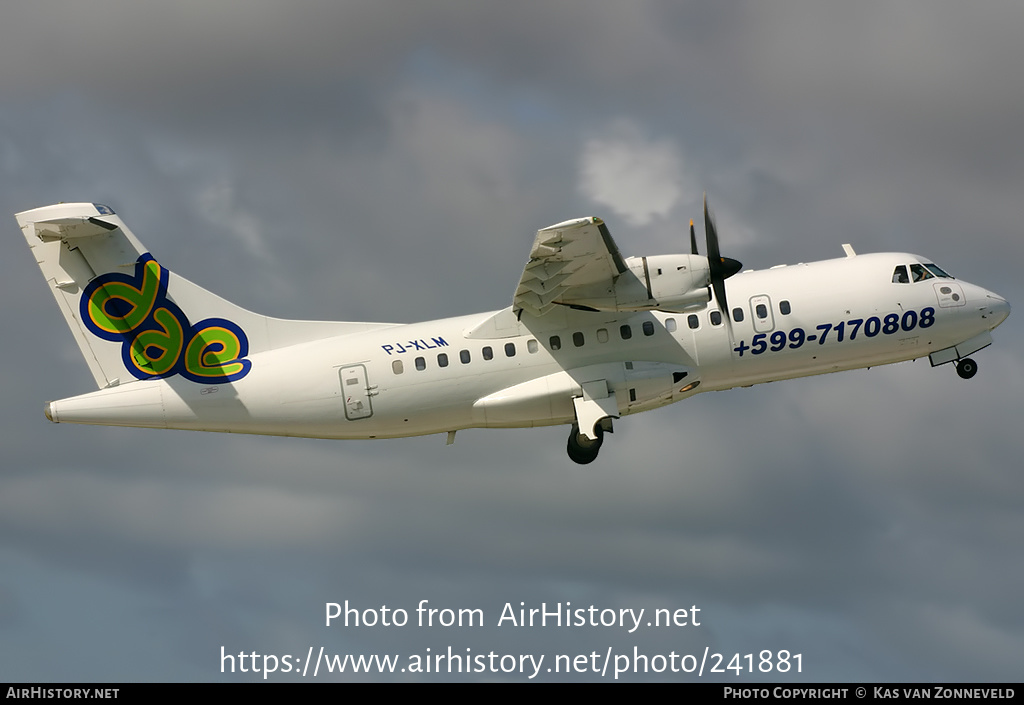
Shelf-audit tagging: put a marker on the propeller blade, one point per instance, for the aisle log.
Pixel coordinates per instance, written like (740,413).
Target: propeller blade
(720,268)
(693,239)
(711,234)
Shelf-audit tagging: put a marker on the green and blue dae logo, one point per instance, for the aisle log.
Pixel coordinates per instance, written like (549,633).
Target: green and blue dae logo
(157,339)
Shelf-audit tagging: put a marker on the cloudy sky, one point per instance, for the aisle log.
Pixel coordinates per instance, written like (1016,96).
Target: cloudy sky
(391,161)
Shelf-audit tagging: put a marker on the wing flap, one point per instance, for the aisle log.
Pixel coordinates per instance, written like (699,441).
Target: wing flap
(567,256)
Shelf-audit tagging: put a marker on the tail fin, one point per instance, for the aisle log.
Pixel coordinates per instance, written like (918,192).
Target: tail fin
(132,319)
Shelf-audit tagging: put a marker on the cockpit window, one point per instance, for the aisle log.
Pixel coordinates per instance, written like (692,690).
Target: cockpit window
(918,273)
(899,276)
(937,271)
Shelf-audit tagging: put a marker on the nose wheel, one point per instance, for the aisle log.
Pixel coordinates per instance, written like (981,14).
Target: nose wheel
(966,368)
(581,449)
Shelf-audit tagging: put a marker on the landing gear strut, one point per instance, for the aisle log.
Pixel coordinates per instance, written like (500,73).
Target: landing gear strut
(966,368)
(581,449)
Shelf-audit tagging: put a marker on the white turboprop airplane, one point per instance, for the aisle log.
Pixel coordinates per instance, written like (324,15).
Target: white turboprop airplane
(590,337)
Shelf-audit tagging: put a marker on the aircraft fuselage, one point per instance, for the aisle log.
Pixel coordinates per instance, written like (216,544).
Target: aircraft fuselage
(445,375)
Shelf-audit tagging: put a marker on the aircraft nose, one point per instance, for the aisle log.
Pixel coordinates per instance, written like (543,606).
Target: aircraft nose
(998,308)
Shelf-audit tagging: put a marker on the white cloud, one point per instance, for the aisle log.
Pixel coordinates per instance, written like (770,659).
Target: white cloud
(637,177)
(218,203)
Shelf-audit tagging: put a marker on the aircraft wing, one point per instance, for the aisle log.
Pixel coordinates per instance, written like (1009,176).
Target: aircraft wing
(568,258)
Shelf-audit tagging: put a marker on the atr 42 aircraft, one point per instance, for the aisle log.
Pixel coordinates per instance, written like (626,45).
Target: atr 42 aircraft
(590,337)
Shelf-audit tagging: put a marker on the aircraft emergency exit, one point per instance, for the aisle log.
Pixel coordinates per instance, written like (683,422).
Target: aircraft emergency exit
(589,337)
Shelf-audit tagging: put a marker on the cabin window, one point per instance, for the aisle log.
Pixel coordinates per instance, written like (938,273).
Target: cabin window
(577,339)
(716,318)
(442,359)
(531,345)
(421,363)
(670,325)
(555,343)
(784,308)
(899,275)
(737,314)
(761,310)
(602,335)
(464,356)
(648,328)
(626,332)
(693,321)
(397,367)
(510,349)
(488,353)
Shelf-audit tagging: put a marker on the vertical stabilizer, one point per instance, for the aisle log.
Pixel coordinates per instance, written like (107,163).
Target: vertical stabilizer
(73,243)
(133,319)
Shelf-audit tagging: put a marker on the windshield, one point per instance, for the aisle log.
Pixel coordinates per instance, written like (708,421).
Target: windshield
(937,271)
(918,273)
(915,272)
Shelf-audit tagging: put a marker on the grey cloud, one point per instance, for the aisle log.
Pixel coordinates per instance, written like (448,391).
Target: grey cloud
(357,161)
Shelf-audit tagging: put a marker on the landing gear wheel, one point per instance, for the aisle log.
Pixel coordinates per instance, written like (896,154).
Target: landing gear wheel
(966,368)
(581,449)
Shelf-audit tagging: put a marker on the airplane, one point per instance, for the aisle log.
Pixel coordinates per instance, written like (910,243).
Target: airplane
(590,337)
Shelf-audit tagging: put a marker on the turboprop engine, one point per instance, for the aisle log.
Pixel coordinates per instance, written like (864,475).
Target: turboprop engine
(659,282)
(673,283)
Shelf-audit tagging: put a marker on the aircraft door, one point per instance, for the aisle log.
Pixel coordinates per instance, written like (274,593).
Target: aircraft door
(357,392)
(761,313)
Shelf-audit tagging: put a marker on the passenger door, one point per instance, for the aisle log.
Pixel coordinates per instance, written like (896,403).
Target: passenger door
(357,392)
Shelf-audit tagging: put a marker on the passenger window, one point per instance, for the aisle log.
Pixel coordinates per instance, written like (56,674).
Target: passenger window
(531,345)
(693,321)
(602,335)
(421,364)
(737,314)
(488,353)
(464,356)
(716,318)
(648,328)
(397,367)
(761,310)
(442,359)
(626,332)
(510,349)
(577,339)
(899,275)
(670,325)
(555,343)
(785,308)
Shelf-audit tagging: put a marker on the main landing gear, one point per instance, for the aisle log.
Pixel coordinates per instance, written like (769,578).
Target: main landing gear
(966,368)
(581,449)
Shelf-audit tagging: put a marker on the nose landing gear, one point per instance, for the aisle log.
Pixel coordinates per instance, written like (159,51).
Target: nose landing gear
(581,449)
(966,368)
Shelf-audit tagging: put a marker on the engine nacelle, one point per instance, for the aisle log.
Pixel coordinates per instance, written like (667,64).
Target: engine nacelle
(675,282)
(660,282)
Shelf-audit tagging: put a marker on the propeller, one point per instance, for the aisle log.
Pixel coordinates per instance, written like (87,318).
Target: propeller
(720,268)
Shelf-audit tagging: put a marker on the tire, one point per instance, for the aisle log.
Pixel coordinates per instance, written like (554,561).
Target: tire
(581,449)
(966,368)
